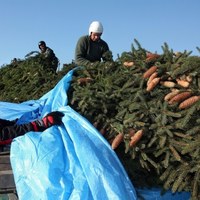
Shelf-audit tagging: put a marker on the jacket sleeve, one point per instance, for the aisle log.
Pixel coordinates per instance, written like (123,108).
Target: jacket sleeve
(106,53)
(10,132)
(49,53)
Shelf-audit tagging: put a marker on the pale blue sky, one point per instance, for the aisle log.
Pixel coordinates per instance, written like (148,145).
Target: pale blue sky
(61,22)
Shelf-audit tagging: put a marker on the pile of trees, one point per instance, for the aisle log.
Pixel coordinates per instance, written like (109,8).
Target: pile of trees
(29,78)
(146,105)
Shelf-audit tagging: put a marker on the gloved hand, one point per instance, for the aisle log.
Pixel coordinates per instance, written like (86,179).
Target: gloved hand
(53,118)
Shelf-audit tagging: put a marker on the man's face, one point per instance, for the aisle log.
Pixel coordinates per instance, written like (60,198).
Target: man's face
(42,47)
(95,36)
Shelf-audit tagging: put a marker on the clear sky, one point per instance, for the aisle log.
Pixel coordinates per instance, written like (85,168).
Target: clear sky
(23,23)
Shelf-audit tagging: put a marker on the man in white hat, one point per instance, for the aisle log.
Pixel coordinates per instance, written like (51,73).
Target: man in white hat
(91,48)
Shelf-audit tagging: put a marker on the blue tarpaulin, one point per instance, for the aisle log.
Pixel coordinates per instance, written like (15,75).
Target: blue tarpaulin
(68,162)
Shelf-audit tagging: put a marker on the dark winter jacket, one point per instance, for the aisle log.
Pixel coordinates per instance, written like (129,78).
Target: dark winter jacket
(10,130)
(50,56)
(88,51)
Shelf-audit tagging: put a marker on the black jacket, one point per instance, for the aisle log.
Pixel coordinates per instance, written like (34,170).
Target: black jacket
(88,51)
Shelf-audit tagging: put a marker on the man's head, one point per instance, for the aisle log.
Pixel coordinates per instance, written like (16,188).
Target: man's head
(42,45)
(95,30)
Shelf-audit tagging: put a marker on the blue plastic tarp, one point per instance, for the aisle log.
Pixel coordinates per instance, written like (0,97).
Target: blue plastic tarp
(68,162)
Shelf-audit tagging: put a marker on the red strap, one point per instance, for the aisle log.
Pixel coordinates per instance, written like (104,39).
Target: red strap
(5,142)
(35,128)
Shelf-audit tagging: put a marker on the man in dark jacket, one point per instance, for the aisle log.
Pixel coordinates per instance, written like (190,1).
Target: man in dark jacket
(49,56)
(10,129)
(91,48)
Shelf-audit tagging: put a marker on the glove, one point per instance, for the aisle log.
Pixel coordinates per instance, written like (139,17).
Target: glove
(53,118)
